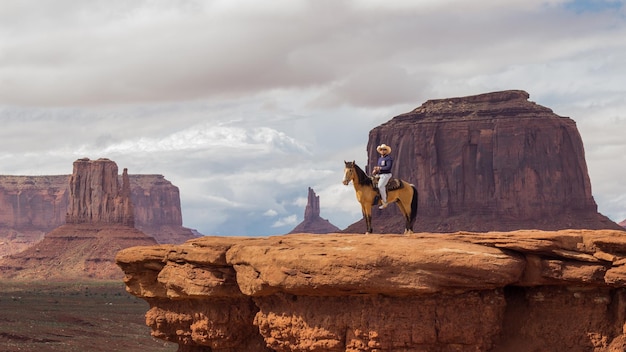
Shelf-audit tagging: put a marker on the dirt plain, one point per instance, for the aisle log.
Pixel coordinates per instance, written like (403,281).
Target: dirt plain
(87,316)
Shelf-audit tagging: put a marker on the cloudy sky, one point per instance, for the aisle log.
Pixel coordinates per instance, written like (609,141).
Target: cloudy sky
(245,104)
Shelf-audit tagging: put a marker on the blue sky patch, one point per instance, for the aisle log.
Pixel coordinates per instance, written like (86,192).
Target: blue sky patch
(581,6)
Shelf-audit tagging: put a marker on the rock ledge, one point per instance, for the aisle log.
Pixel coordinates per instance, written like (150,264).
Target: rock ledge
(497,291)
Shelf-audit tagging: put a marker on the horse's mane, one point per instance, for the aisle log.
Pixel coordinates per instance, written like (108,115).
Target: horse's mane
(364,180)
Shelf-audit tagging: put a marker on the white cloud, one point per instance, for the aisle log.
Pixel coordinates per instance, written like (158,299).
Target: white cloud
(270,213)
(291,220)
(244,106)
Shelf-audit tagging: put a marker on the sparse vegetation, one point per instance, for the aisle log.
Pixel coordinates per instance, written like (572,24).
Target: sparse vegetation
(82,316)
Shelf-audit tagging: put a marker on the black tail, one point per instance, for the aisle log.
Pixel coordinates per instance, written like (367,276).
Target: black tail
(414,200)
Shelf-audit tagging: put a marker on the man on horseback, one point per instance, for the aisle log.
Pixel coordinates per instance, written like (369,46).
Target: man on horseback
(383,170)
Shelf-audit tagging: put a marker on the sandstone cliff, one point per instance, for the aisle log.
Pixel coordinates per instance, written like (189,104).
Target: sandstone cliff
(31,206)
(493,161)
(99,223)
(313,222)
(498,291)
(157,209)
(96,196)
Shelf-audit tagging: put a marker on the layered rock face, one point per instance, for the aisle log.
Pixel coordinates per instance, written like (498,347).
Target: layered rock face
(31,206)
(499,291)
(96,197)
(313,222)
(99,224)
(493,161)
(157,209)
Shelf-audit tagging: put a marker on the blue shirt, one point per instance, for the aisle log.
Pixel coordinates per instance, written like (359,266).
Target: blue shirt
(385,162)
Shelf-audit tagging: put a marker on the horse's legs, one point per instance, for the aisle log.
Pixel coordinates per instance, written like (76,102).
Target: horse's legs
(404,204)
(367,215)
(407,216)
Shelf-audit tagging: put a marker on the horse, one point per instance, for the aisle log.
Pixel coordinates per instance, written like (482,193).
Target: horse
(405,196)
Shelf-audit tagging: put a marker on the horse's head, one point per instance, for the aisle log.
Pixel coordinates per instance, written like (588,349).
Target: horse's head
(348,172)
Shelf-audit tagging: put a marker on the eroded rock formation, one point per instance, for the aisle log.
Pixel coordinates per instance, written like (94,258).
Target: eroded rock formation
(499,291)
(96,196)
(494,161)
(313,222)
(31,206)
(99,224)
(157,209)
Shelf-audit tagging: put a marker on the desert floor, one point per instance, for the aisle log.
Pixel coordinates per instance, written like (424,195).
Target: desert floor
(74,316)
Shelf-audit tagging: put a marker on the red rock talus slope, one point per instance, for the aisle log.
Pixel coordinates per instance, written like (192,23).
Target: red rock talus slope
(494,161)
(99,223)
(74,251)
(499,291)
(313,222)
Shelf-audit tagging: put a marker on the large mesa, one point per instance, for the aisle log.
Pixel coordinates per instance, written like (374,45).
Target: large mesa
(489,162)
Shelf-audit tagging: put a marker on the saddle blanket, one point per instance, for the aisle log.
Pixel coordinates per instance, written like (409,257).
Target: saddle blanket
(392,185)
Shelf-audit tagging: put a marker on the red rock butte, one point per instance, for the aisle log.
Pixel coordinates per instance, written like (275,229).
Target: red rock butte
(493,161)
(96,197)
(99,223)
(31,206)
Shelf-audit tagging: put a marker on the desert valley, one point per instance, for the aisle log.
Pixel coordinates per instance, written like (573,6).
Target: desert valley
(509,253)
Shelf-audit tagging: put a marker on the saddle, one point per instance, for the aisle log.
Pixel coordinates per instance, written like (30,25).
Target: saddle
(392,185)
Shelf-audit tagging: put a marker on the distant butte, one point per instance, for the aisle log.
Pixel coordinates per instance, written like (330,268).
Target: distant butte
(488,162)
(313,222)
(100,223)
(31,206)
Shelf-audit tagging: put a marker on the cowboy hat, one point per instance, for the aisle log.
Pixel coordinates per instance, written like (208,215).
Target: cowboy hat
(382,147)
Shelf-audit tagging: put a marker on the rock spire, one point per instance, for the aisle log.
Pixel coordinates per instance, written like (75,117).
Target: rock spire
(313,222)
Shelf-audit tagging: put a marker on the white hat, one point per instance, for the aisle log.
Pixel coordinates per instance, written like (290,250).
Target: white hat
(382,147)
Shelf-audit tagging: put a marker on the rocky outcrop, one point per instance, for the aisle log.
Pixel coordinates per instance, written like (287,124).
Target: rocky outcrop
(313,222)
(494,161)
(96,197)
(31,206)
(499,291)
(157,209)
(99,224)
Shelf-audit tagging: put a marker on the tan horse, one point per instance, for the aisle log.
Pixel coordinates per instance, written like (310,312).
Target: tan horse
(405,196)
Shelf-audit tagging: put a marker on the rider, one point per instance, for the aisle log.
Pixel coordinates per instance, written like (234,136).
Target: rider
(383,169)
